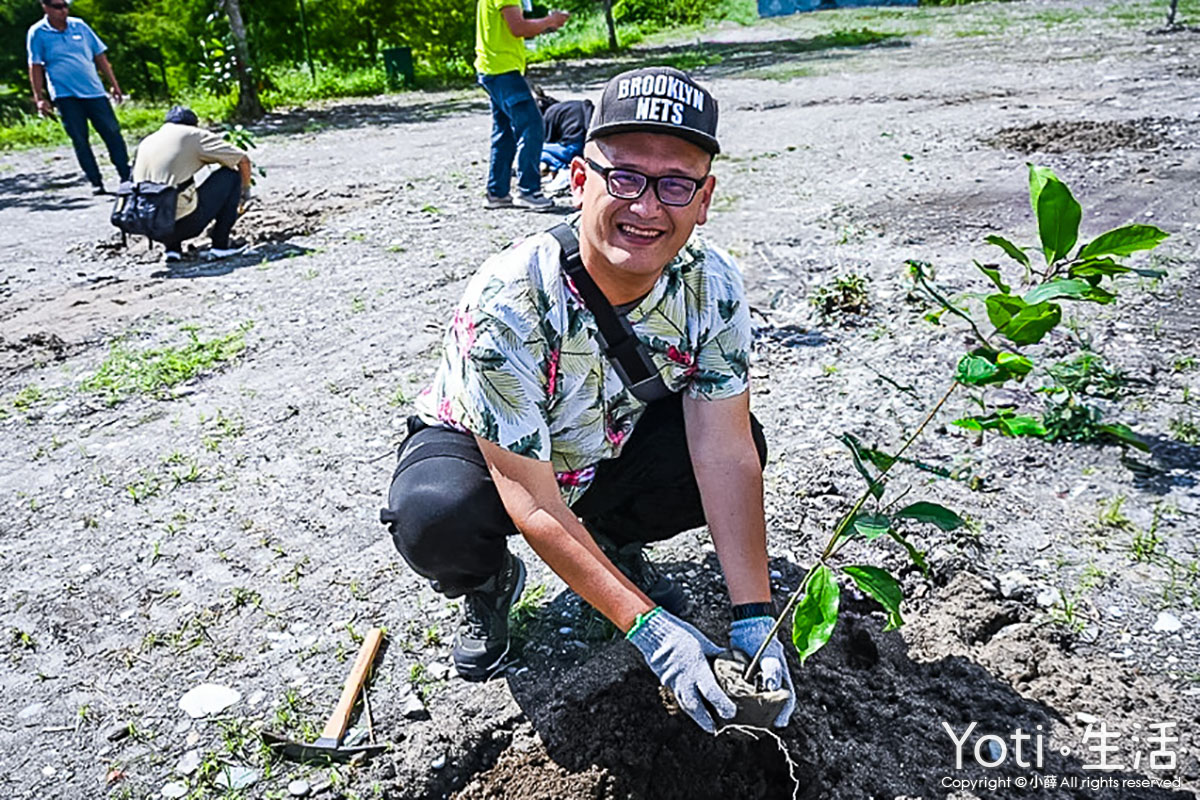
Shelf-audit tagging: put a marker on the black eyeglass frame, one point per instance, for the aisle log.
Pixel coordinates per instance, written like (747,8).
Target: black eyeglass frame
(606,172)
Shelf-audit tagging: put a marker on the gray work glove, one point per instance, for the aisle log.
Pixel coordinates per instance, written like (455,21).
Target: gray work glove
(748,635)
(678,655)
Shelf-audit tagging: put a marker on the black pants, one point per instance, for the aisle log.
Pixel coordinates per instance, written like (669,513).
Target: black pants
(448,522)
(216,199)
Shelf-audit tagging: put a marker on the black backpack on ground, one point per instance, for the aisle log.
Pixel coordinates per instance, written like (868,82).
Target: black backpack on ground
(147,208)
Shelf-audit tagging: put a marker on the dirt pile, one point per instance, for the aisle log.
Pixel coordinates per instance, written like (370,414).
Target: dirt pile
(868,723)
(1084,136)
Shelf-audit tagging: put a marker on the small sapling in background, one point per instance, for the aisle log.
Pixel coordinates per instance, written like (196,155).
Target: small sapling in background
(1019,320)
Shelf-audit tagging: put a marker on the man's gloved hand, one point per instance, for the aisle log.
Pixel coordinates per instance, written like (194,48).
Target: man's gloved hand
(748,635)
(677,653)
(247,193)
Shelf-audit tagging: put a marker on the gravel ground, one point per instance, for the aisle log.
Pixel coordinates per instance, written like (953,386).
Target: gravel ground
(224,532)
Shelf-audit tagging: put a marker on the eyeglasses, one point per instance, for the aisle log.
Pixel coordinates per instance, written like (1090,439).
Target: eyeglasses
(628,184)
(59,6)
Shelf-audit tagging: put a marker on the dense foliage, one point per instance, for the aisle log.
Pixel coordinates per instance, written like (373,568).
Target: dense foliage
(162,47)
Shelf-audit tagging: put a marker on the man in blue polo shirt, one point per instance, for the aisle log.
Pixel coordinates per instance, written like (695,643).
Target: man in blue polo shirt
(64,54)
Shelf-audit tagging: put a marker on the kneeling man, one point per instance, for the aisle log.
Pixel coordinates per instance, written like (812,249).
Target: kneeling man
(173,155)
(529,428)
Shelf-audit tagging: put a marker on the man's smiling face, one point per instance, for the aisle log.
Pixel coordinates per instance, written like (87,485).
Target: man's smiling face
(627,243)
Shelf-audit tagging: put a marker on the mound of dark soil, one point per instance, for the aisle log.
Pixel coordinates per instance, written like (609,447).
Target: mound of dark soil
(1083,136)
(869,719)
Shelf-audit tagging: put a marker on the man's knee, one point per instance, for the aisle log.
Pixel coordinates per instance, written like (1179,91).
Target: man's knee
(444,517)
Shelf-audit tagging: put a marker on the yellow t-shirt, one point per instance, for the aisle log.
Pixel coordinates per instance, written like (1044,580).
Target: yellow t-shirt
(174,153)
(496,49)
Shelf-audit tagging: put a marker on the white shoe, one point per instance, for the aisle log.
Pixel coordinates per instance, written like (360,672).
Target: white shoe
(226,252)
(172,256)
(560,184)
(535,201)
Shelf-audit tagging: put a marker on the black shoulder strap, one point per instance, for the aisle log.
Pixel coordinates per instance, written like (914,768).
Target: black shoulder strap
(624,350)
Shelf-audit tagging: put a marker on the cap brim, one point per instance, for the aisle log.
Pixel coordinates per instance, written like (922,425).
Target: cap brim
(699,138)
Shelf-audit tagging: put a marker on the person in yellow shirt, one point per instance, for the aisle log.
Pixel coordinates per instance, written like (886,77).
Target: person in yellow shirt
(517,129)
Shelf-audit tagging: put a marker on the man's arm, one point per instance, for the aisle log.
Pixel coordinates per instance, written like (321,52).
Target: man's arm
(729,475)
(528,28)
(244,171)
(37,82)
(529,491)
(107,71)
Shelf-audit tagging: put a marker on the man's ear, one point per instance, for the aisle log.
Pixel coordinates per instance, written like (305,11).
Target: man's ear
(706,194)
(579,172)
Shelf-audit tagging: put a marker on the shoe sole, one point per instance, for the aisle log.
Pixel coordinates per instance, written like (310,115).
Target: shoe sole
(485,673)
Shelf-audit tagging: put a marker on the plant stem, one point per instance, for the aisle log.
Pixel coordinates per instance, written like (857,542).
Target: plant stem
(837,533)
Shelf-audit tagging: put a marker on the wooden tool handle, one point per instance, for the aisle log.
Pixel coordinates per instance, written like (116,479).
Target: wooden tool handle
(335,728)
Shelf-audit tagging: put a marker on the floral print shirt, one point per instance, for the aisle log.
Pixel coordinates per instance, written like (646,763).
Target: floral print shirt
(521,366)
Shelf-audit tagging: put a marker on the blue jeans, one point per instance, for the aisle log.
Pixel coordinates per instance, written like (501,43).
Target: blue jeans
(75,113)
(558,155)
(517,129)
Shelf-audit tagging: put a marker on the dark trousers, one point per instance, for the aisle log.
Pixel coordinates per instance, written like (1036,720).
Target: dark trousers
(517,130)
(216,200)
(76,113)
(448,522)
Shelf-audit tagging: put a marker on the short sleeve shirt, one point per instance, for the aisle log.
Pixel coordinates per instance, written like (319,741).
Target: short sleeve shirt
(496,49)
(174,153)
(521,366)
(68,57)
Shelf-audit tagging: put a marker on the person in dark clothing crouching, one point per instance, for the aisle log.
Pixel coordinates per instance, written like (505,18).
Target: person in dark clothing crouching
(173,155)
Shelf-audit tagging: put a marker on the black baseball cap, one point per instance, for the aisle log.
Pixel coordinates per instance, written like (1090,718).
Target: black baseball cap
(657,100)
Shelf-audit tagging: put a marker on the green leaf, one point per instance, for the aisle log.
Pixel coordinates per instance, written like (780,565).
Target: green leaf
(1017,365)
(1071,288)
(1058,215)
(1097,267)
(871,526)
(1124,241)
(1008,422)
(917,556)
(993,274)
(1018,254)
(1002,307)
(1038,176)
(932,513)
(975,371)
(1032,323)
(873,484)
(882,587)
(1124,434)
(816,614)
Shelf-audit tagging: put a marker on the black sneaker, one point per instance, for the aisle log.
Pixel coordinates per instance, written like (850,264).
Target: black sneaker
(631,560)
(481,641)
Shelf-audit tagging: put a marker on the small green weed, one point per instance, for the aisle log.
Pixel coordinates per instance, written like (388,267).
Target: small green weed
(27,398)
(1112,516)
(22,640)
(845,294)
(1184,430)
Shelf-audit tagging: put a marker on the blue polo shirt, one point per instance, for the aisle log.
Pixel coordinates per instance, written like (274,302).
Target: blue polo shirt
(68,57)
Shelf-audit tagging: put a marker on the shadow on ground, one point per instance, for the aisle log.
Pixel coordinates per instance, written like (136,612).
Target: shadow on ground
(381,113)
(202,268)
(41,192)
(773,58)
